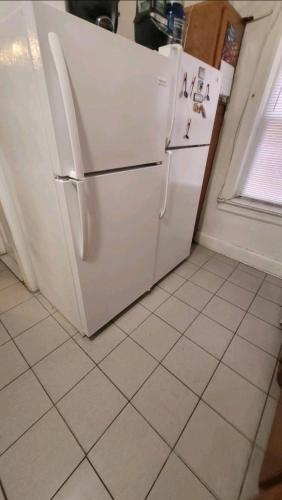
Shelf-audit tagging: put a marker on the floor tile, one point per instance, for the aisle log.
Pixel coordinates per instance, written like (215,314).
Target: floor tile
(12,364)
(132,318)
(4,336)
(274,280)
(62,369)
(128,366)
(83,484)
(50,308)
(90,407)
(250,487)
(271,292)
(275,389)
(207,280)
(193,295)
(154,299)
(200,255)
(209,335)
(236,295)
(266,310)
(240,402)
(171,282)
(216,452)
(40,461)
(217,266)
(186,269)
(191,364)
(99,345)
(129,456)
(156,336)
(251,270)
(175,481)
(166,403)
(251,362)
(176,313)
(245,280)
(266,423)
(65,324)
(224,313)
(227,260)
(23,316)
(7,279)
(21,403)
(40,339)
(12,296)
(260,333)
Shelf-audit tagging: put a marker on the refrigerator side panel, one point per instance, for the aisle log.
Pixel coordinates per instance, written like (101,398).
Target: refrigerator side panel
(197,93)
(184,184)
(117,264)
(119,91)
(28,166)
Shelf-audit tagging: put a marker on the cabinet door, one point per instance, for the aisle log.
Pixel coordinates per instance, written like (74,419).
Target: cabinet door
(182,187)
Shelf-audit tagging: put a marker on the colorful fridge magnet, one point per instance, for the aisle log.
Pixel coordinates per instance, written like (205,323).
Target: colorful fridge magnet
(200,85)
(198,97)
(196,107)
(186,136)
(207,94)
(192,86)
(201,73)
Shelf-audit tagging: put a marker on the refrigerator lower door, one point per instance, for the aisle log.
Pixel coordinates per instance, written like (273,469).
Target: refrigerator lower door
(111,223)
(182,184)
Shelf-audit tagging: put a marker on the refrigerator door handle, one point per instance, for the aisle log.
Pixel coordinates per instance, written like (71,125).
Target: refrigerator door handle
(82,209)
(178,49)
(163,210)
(65,87)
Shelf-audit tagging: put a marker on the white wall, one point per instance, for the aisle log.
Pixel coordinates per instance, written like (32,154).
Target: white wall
(256,242)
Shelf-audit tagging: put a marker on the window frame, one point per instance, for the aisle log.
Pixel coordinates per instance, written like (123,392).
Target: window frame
(230,198)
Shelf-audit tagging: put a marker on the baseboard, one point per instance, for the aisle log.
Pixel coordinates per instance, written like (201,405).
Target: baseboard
(244,255)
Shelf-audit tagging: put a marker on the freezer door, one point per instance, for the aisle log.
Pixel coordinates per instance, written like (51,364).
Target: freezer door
(193,99)
(114,89)
(182,183)
(120,239)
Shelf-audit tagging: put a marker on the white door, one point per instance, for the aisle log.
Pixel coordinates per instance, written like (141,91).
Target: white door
(193,99)
(120,238)
(182,183)
(117,89)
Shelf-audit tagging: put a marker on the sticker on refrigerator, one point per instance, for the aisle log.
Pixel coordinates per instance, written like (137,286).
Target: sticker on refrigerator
(201,73)
(198,97)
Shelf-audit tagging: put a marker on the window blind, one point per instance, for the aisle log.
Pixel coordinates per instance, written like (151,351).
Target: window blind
(263,179)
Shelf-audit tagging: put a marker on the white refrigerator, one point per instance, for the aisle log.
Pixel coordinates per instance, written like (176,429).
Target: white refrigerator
(194,93)
(83,139)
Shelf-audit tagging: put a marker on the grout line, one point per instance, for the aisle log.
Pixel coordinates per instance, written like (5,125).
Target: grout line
(2,490)
(74,470)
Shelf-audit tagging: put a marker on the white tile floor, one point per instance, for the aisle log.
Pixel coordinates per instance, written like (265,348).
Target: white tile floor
(172,401)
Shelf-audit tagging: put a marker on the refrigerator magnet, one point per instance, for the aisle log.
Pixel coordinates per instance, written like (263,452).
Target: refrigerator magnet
(197,107)
(200,85)
(192,86)
(185,93)
(188,125)
(198,97)
(207,93)
(201,73)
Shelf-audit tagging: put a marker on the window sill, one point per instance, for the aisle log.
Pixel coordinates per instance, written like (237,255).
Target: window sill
(252,210)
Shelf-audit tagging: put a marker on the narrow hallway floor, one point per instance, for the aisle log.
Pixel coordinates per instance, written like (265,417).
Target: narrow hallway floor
(173,400)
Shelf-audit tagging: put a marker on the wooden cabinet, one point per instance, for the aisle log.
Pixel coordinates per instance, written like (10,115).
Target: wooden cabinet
(206,30)
(213,31)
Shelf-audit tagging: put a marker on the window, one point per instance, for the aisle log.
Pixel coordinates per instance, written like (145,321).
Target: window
(262,177)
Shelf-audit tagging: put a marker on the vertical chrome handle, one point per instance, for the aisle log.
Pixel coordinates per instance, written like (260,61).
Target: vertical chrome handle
(82,210)
(163,210)
(65,86)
